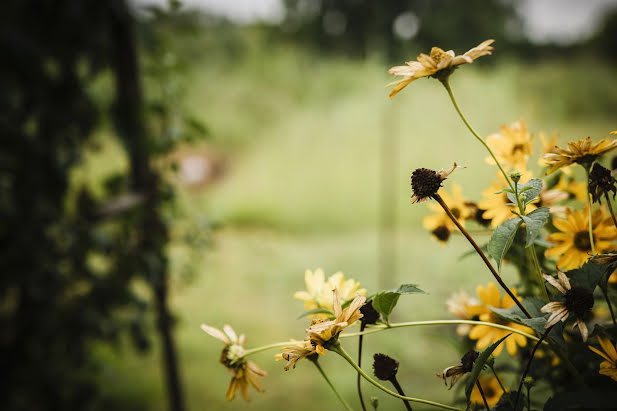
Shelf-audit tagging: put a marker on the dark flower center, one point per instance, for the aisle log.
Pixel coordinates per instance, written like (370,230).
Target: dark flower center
(581,241)
(468,359)
(579,301)
(479,217)
(489,392)
(425,183)
(456,212)
(518,147)
(369,313)
(384,367)
(442,233)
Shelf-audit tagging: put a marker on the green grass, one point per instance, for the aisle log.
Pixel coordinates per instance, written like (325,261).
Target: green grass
(304,139)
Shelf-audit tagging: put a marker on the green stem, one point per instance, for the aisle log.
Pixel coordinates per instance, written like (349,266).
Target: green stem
(498,380)
(380,328)
(340,351)
(323,374)
(590,205)
(610,306)
(536,263)
(268,347)
(482,395)
(446,84)
(533,352)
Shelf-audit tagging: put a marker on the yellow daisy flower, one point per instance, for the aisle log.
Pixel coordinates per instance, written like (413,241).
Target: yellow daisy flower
(245,373)
(321,332)
(437,61)
(295,353)
(512,146)
(582,152)
(496,205)
(318,292)
(576,189)
(608,367)
(492,391)
(572,246)
(490,296)
(439,224)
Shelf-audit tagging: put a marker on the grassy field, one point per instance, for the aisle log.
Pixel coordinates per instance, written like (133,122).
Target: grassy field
(311,145)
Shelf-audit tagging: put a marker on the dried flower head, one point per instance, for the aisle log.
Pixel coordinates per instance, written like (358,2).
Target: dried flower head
(578,302)
(582,152)
(457,371)
(426,182)
(609,353)
(384,367)
(439,64)
(601,182)
(245,373)
(369,314)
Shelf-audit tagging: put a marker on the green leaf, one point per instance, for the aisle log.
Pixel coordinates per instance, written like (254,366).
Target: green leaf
(479,365)
(385,301)
(534,222)
(316,311)
(589,275)
(530,190)
(502,238)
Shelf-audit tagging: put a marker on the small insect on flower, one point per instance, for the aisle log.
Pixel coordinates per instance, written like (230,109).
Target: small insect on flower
(245,373)
(439,64)
(578,302)
(609,353)
(457,371)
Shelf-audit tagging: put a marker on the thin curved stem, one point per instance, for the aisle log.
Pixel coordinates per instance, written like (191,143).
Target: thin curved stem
(590,205)
(359,377)
(323,374)
(503,285)
(610,306)
(533,352)
(610,208)
(381,328)
(399,389)
(267,347)
(446,84)
(536,263)
(340,351)
(498,380)
(482,395)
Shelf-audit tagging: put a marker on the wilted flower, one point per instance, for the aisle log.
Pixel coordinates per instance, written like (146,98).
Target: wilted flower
(490,297)
(457,371)
(384,367)
(582,152)
(321,332)
(512,146)
(458,304)
(425,182)
(608,367)
(245,373)
(601,182)
(579,302)
(572,245)
(439,64)
(369,314)
(296,352)
(318,292)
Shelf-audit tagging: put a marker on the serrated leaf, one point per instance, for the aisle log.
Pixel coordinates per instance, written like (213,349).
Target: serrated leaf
(385,301)
(534,222)
(530,190)
(502,238)
(479,365)
(316,311)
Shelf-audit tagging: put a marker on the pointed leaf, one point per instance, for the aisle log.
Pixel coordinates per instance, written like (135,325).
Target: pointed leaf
(530,189)
(385,301)
(502,238)
(589,275)
(479,365)
(409,289)
(534,222)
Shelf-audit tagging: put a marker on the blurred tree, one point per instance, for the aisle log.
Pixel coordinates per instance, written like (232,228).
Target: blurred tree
(69,262)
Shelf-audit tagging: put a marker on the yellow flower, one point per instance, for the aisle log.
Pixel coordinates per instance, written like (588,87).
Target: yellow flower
(512,146)
(458,304)
(576,189)
(245,373)
(608,367)
(439,223)
(496,205)
(430,65)
(572,245)
(486,335)
(492,391)
(318,292)
(582,152)
(295,353)
(321,332)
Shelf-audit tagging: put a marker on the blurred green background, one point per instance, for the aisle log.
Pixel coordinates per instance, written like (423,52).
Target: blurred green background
(305,163)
